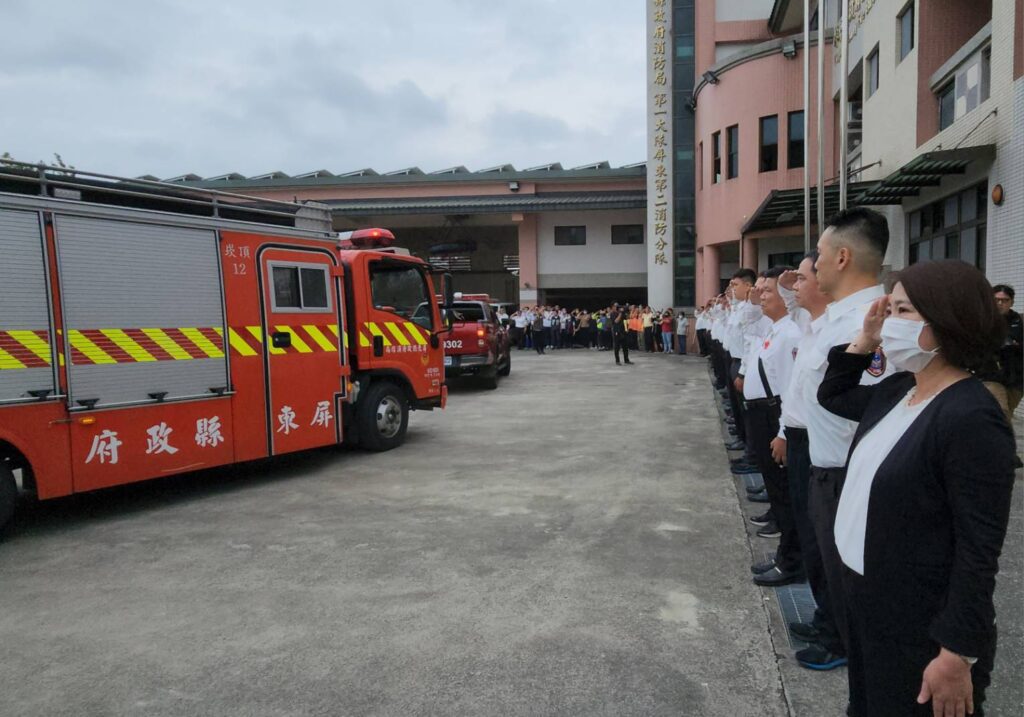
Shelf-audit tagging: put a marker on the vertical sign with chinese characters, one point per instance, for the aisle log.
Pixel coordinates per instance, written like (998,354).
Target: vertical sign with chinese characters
(659,154)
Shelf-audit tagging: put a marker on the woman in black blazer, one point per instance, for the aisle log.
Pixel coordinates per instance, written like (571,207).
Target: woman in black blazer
(925,506)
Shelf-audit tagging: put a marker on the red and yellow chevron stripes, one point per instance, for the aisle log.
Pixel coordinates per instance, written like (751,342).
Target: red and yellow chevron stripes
(23,349)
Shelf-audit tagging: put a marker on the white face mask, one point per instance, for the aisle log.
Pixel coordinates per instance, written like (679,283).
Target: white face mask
(901,341)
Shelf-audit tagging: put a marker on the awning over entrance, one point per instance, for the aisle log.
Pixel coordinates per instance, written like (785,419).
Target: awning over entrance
(926,170)
(785,207)
(561,201)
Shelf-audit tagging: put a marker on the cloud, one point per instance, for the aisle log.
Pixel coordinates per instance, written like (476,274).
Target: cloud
(168,87)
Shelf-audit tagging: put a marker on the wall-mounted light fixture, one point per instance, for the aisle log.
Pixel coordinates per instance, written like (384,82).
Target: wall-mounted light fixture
(710,77)
(513,186)
(789,49)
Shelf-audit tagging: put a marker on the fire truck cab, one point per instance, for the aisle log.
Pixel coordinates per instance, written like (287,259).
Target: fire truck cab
(148,330)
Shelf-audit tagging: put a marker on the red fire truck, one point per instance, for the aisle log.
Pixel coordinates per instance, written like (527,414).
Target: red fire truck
(147,330)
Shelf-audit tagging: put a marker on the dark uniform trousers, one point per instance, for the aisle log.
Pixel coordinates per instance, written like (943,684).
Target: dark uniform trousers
(885,671)
(736,399)
(798,467)
(619,342)
(762,418)
(823,501)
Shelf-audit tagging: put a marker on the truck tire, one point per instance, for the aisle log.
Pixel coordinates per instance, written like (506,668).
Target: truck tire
(506,367)
(8,493)
(489,378)
(382,416)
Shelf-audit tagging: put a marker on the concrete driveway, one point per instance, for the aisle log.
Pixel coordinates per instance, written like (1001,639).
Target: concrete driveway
(570,544)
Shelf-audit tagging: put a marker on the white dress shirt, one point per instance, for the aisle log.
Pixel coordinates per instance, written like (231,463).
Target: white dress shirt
(868,456)
(830,436)
(794,403)
(776,353)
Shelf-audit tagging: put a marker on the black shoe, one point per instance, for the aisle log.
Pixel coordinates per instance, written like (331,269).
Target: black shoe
(805,631)
(758,568)
(1017,463)
(763,519)
(741,461)
(618,363)
(744,470)
(777,578)
(819,658)
(736,446)
(753,490)
(759,497)
(769,531)
(628,363)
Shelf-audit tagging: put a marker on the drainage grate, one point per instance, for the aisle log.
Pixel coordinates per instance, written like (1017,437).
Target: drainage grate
(797,605)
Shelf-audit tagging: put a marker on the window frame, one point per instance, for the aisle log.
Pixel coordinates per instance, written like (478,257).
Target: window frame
(374,264)
(732,151)
(299,266)
(762,146)
(932,229)
(627,226)
(716,157)
(569,243)
(903,51)
(872,73)
(789,139)
(947,90)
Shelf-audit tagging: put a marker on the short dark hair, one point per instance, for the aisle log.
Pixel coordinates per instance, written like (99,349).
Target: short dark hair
(776,271)
(813,256)
(746,275)
(864,223)
(1004,289)
(955,298)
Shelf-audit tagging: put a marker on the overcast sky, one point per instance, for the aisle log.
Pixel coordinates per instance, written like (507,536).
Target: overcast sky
(166,87)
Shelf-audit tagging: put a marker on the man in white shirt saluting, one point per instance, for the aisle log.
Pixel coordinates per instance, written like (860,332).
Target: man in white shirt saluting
(851,252)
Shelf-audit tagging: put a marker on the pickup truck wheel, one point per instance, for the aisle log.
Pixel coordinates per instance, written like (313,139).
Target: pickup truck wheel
(489,379)
(8,493)
(506,365)
(383,417)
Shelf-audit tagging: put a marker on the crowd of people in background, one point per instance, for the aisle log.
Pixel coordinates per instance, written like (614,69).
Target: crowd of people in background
(881,423)
(640,328)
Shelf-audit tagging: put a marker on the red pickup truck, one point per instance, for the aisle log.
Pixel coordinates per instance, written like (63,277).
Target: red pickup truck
(476,345)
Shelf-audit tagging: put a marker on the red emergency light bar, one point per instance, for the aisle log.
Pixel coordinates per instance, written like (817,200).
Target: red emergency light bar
(371,238)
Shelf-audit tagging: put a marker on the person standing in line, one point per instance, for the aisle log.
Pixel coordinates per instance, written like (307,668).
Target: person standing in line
(518,329)
(682,324)
(806,305)
(583,330)
(619,335)
(539,332)
(924,511)
(666,332)
(1004,373)
(850,255)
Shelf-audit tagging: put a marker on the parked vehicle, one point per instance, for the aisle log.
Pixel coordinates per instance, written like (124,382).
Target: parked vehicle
(476,344)
(139,338)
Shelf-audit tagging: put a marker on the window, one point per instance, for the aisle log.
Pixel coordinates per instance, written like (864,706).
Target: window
(872,72)
(796,140)
(300,287)
(769,161)
(700,165)
(402,290)
(789,258)
(716,158)
(905,24)
(570,236)
(733,135)
(946,106)
(627,234)
(952,228)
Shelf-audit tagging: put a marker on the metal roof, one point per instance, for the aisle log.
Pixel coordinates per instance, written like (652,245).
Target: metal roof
(785,207)
(414,175)
(490,204)
(926,170)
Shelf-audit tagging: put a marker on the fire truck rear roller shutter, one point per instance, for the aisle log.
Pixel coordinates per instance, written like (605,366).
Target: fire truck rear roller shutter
(26,356)
(160,284)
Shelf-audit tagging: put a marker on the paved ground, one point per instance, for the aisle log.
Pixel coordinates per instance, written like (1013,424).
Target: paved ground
(570,544)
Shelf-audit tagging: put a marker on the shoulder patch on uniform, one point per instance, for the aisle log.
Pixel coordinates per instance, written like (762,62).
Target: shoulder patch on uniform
(878,363)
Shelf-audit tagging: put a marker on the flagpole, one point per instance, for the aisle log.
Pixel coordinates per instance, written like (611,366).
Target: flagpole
(844,69)
(821,115)
(806,118)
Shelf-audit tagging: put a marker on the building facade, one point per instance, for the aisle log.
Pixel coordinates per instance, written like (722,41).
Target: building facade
(574,237)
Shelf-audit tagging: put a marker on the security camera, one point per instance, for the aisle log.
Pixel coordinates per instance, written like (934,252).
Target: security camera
(513,186)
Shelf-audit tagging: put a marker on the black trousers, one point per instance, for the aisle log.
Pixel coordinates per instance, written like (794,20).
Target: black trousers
(798,466)
(736,399)
(702,341)
(619,342)
(649,339)
(885,669)
(822,502)
(762,427)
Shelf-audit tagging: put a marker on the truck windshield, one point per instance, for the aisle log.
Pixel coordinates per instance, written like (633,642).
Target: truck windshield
(401,290)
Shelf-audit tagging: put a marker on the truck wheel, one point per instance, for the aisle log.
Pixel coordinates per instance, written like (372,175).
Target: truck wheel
(489,378)
(8,493)
(506,367)
(383,417)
